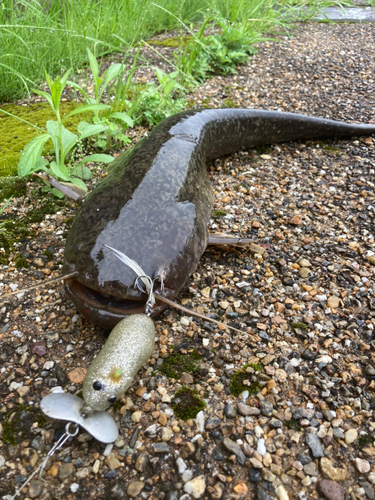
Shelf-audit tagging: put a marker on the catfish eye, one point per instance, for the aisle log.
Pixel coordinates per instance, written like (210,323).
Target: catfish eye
(112,399)
(97,385)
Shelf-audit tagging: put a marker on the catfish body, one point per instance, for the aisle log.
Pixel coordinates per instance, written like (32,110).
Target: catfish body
(156,201)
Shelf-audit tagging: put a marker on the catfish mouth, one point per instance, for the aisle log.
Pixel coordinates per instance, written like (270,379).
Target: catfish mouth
(104,301)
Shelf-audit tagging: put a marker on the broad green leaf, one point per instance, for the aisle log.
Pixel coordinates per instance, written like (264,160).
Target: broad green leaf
(31,154)
(57,193)
(87,107)
(124,117)
(82,172)
(92,130)
(99,158)
(93,64)
(59,171)
(111,73)
(79,183)
(53,129)
(68,138)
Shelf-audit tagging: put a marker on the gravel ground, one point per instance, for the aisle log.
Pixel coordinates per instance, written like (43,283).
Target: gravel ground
(304,300)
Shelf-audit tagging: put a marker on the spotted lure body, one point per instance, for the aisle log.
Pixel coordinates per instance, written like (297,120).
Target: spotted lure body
(128,347)
(156,201)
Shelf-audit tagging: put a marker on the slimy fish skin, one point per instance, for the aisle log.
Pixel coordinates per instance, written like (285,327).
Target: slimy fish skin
(128,347)
(156,201)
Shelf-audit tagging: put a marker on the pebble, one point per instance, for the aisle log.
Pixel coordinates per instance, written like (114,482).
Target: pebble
(246,410)
(199,421)
(363,466)
(332,490)
(65,470)
(77,375)
(196,486)
(35,488)
(261,447)
(334,473)
(350,436)
(233,447)
(135,488)
(282,493)
(160,447)
(313,443)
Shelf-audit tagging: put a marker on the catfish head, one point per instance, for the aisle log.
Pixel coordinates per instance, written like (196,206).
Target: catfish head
(150,209)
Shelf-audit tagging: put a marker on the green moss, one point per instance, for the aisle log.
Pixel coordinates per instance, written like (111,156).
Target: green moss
(116,405)
(237,380)
(16,134)
(186,403)
(177,363)
(220,213)
(48,254)
(365,439)
(300,326)
(262,150)
(293,424)
(17,422)
(229,103)
(12,187)
(20,262)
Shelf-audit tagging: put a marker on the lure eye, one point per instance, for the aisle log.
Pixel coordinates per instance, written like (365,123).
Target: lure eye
(97,385)
(112,399)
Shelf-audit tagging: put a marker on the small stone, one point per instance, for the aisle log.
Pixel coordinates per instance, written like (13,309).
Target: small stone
(77,375)
(160,447)
(282,493)
(39,348)
(230,411)
(369,490)
(112,462)
(233,447)
(310,469)
(199,421)
(247,410)
(212,423)
(263,495)
(313,443)
(65,470)
(256,463)
(334,473)
(136,417)
(187,450)
(296,220)
(261,447)
(266,408)
(303,272)
(142,462)
(333,302)
(186,378)
(350,436)
(363,466)
(241,489)
(29,457)
(140,391)
(254,475)
(332,490)
(267,475)
(35,488)
(166,434)
(196,486)
(134,488)
(22,391)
